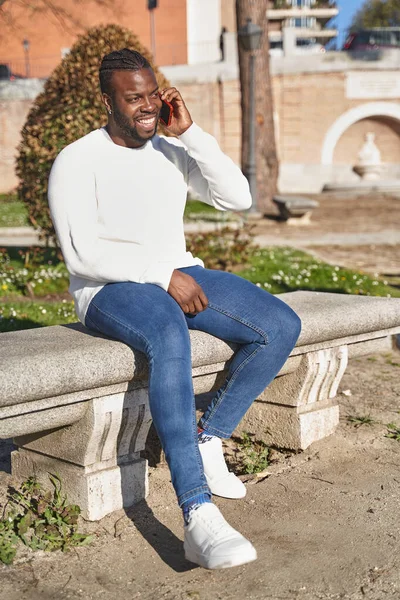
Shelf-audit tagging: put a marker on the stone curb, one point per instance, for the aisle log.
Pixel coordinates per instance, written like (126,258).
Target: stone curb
(17,231)
(195,227)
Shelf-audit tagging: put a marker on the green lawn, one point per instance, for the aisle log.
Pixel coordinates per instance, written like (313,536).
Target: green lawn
(26,315)
(12,212)
(28,271)
(281,270)
(275,269)
(196,210)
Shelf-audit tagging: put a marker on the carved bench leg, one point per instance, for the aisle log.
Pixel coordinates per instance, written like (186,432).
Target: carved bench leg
(300,408)
(97,458)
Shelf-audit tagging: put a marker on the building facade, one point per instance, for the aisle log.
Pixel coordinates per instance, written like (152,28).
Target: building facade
(311,17)
(177,31)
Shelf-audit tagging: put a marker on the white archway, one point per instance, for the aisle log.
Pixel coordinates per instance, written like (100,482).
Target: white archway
(371,109)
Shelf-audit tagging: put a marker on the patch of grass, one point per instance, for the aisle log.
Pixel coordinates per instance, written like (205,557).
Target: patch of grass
(32,272)
(254,454)
(40,520)
(281,270)
(13,214)
(197,207)
(358,420)
(199,211)
(393,431)
(10,197)
(223,250)
(392,362)
(28,315)
(37,272)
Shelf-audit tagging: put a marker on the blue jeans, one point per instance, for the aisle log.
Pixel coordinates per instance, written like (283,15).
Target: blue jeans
(148,319)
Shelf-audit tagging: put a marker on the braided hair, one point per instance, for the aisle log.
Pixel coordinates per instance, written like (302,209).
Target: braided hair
(120,60)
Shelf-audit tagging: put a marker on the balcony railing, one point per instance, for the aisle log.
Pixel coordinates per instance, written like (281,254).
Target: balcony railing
(295,12)
(287,4)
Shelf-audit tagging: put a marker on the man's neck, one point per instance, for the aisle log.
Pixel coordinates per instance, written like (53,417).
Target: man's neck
(122,139)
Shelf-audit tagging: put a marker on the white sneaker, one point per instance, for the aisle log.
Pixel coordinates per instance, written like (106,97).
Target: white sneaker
(212,543)
(220,481)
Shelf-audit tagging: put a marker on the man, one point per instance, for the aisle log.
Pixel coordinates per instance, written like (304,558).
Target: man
(117,198)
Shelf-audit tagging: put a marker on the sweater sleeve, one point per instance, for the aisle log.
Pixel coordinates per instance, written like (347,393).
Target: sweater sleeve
(212,175)
(73,209)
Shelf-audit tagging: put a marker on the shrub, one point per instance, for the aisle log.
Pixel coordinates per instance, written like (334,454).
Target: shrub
(69,107)
(223,250)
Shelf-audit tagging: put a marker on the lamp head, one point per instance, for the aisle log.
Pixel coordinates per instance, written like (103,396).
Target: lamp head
(250,36)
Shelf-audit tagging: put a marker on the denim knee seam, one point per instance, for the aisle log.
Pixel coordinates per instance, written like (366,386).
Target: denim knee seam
(239,319)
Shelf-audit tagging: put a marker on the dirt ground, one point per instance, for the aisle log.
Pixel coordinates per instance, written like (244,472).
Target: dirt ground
(339,213)
(325,522)
(361,232)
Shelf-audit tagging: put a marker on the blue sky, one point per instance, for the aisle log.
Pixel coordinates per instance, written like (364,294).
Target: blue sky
(347,10)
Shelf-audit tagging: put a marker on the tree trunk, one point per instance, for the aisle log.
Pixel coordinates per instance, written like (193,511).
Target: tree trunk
(266,156)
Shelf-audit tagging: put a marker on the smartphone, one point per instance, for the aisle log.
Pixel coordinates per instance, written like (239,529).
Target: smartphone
(166,113)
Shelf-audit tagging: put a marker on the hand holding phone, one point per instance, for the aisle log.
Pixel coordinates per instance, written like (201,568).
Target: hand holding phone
(174,113)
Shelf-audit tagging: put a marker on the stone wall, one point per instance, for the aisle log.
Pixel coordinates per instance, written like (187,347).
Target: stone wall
(16,98)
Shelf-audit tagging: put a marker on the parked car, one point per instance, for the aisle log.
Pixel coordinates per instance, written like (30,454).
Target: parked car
(6,74)
(303,46)
(373,39)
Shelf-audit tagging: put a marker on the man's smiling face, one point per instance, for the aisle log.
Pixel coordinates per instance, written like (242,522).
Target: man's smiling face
(136,104)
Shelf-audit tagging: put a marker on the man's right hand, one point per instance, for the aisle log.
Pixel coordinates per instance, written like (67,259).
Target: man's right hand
(187,293)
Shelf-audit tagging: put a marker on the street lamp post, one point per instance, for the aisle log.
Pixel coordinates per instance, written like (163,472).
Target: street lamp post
(250,40)
(151,5)
(26,46)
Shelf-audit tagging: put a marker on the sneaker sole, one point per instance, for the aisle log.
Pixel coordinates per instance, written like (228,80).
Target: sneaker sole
(219,562)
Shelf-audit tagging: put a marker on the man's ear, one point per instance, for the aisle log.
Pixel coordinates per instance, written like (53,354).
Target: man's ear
(107,102)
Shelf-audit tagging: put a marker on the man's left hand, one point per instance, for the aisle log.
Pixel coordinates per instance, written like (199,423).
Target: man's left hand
(181,119)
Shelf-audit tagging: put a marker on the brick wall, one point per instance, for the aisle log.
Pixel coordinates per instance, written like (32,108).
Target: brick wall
(48,37)
(306,106)
(12,119)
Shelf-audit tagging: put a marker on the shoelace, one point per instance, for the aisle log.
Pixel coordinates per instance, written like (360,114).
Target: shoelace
(217,524)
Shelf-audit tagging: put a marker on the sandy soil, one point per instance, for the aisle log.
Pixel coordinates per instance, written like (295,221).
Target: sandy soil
(382,259)
(339,213)
(325,523)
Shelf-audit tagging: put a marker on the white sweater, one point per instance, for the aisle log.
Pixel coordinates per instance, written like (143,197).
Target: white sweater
(118,212)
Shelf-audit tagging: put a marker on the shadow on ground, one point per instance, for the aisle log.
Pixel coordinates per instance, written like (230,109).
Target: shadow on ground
(6,447)
(168,547)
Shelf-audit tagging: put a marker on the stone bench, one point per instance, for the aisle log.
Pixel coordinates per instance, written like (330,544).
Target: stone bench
(295,210)
(76,403)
